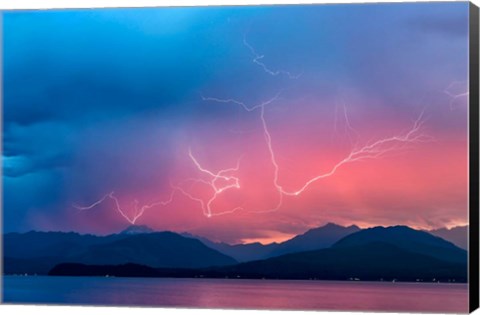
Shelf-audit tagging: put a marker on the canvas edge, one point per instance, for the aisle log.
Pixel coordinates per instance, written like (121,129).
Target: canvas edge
(1,152)
(474,222)
(473,267)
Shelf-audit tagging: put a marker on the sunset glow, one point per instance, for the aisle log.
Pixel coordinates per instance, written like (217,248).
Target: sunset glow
(229,124)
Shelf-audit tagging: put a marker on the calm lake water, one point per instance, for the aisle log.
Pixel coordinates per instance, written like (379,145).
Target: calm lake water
(245,294)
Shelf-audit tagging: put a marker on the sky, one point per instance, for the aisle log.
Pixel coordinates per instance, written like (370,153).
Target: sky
(235,123)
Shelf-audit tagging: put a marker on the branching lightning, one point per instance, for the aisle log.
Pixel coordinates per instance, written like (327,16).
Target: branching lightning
(242,104)
(373,150)
(456,90)
(225,180)
(219,182)
(257,59)
(138,211)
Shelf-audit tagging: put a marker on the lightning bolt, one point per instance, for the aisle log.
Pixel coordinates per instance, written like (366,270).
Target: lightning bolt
(372,150)
(242,104)
(257,59)
(224,180)
(348,129)
(456,90)
(138,211)
(219,182)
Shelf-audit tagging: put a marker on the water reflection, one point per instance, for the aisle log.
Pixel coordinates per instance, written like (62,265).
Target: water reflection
(246,294)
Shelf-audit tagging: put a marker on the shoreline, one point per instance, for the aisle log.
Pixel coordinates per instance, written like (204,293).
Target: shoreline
(239,279)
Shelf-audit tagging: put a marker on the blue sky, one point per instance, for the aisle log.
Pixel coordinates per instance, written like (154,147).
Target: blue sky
(93,97)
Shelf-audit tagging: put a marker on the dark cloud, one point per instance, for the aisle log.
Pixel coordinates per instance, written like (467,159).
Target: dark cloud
(107,68)
(32,148)
(17,166)
(103,100)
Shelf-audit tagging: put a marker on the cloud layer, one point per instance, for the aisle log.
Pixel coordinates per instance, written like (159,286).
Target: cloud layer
(111,100)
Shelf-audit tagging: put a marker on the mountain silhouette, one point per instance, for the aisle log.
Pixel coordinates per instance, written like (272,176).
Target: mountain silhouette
(379,253)
(160,249)
(240,252)
(374,261)
(408,239)
(316,238)
(38,252)
(367,261)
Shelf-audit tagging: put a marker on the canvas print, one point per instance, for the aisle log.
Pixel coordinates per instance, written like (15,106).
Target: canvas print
(300,157)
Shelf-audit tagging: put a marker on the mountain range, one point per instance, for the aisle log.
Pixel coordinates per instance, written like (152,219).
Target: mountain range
(328,252)
(316,238)
(38,252)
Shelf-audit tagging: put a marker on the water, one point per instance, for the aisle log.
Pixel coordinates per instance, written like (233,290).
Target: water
(237,293)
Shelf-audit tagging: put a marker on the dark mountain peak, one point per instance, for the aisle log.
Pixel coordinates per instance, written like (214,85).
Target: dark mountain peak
(405,238)
(156,249)
(156,236)
(316,238)
(392,230)
(400,228)
(370,261)
(403,231)
(353,227)
(257,244)
(382,233)
(137,229)
(331,225)
(39,252)
(334,226)
(329,229)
